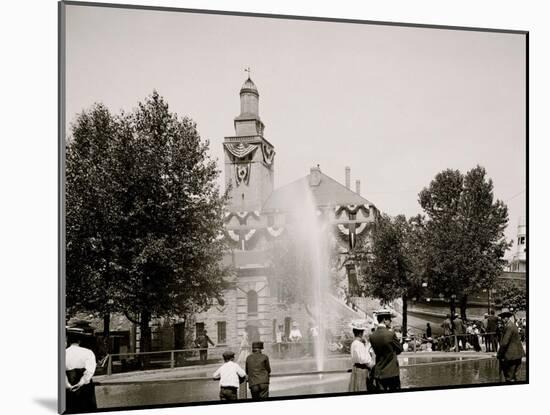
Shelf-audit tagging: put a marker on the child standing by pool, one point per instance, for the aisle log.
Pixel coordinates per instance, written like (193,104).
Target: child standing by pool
(229,375)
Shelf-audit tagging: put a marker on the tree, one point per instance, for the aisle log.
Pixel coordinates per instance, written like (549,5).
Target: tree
(90,211)
(464,234)
(511,295)
(394,267)
(143,215)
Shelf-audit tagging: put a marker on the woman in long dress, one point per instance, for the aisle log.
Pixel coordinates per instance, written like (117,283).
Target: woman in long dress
(80,365)
(244,351)
(361,361)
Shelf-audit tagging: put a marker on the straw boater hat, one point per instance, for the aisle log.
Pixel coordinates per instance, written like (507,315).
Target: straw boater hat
(385,312)
(75,334)
(505,312)
(359,325)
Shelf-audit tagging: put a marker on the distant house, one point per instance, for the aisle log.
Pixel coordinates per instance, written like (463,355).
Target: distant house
(519,260)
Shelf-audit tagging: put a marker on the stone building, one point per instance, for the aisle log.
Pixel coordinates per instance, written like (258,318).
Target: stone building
(257,215)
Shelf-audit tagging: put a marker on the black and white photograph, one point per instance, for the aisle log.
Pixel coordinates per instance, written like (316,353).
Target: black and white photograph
(261,207)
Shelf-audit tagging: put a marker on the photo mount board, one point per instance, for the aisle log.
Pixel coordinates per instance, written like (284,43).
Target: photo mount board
(243,172)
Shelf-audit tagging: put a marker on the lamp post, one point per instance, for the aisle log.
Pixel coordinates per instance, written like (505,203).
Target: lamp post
(488,299)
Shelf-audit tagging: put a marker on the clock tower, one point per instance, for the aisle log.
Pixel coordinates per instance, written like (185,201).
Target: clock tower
(249,157)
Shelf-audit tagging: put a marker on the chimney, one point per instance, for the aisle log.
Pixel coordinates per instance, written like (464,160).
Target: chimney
(358,187)
(347,177)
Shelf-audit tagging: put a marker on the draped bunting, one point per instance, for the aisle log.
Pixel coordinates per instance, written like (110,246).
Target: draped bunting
(268,153)
(242,217)
(233,235)
(242,172)
(249,234)
(238,238)
(241,150)
(360,228)
(351,209)
(351,232)
(274,231)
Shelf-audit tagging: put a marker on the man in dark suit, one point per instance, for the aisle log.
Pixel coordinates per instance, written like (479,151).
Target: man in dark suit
(511,350)
(386,347)
(258,371)
(447,327)
(491,329)
(459,331)
(201,342)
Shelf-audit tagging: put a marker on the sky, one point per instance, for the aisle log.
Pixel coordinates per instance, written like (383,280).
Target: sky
(395,104)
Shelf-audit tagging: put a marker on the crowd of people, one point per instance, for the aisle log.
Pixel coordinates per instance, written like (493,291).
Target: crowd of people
(374,363)
(458,335)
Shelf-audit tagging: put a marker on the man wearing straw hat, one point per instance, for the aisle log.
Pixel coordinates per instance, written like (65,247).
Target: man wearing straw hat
(511,350)
(361,359)
(386,346)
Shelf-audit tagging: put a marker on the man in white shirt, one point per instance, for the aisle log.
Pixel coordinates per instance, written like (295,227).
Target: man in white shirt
(230,375)
(80,365)
(295,336)
(279,336)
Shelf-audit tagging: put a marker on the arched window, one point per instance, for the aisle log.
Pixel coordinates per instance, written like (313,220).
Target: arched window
(252,301)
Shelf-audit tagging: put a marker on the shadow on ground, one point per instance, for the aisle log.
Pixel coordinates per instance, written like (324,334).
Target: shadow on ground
(48,403)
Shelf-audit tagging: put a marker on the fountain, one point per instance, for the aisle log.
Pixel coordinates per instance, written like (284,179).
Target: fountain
(309,233)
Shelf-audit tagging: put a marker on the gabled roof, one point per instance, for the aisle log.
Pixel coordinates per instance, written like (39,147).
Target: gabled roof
(327,193)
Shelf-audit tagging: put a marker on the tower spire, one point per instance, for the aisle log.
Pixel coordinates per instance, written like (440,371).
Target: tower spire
(247,69)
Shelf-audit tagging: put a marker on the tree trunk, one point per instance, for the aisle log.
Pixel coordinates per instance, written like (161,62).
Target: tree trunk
(144,339)
(145,332)
(463,307)
(106,332)
(106,324)
(452,306)
(405,322)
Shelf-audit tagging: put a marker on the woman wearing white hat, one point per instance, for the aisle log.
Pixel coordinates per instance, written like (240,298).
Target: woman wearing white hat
(361,359)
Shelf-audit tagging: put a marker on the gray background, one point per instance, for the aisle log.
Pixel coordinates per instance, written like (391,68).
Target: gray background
(396,104)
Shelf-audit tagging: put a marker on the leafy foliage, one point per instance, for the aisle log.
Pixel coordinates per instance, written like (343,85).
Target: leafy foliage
(511,295)
(143,214)
(389,273)
(395,267)
(465,226)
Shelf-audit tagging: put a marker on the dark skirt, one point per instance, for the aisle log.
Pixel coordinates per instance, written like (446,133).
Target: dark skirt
(83,399)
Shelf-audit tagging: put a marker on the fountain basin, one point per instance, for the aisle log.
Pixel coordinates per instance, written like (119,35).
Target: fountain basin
(301,379)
